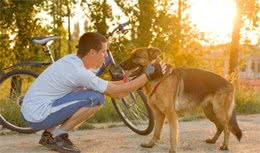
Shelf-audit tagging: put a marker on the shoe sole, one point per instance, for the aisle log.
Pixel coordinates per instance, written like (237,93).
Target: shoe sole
(56,148)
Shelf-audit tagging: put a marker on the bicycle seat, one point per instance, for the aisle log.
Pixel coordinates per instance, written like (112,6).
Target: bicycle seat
(44,40)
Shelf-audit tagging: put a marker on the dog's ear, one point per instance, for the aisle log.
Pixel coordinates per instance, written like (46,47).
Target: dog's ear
(154,53)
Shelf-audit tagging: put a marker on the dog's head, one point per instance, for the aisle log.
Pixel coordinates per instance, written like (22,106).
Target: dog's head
(139,58)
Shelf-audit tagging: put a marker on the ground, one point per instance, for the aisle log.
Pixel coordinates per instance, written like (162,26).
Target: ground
(122,140)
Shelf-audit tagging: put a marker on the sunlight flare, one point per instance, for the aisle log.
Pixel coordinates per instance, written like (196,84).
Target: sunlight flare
(213,16)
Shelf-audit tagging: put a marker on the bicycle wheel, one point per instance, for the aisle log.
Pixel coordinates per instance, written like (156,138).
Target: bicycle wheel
(135,112)
(13,86)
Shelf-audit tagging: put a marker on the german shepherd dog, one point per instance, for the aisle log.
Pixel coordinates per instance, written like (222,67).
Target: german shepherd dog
(184,89)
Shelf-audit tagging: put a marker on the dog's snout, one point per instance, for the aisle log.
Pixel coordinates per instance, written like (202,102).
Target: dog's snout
(128,64)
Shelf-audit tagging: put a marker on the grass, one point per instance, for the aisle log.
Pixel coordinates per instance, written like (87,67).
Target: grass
(191,115)
(11,112)
(106,114)
(247,102)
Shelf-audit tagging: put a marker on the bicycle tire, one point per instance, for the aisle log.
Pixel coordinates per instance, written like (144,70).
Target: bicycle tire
(11,99)
(128,111)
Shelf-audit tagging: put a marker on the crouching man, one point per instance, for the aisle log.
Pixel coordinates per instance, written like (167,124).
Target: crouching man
(67,93)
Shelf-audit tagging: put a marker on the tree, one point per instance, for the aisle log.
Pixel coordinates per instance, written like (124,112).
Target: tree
(159,25)
(141,14)
(59,10)
(100,13)
(69,5)
(145,18)
(18,20)
(76,32)
(247,9)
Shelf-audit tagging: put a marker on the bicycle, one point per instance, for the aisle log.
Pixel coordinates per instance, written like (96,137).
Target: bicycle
(132,109)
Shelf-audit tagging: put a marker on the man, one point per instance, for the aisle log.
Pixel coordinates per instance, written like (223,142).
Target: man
(67,93)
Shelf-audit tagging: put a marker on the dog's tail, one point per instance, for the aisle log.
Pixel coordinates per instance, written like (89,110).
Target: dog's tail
(233,125)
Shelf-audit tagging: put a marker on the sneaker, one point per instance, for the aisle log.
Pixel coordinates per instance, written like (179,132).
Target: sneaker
(64,145)
(47,140)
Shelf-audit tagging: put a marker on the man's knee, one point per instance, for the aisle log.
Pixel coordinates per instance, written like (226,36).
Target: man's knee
(92,98)
(100,98)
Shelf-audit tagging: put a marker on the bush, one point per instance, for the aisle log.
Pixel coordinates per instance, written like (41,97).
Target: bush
(247,100)
(106,114)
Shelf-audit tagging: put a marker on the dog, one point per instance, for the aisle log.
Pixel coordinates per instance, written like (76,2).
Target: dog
(182,89)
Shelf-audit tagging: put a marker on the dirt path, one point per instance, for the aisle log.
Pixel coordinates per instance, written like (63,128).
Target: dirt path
(122,140)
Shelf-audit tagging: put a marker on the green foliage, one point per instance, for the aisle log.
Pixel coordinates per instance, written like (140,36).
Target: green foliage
(11,112)
(59,9)
(250,9)
(154,23)
(100,13)
(246,9)
(19,23)
(106,114)
(6,55)
(145,16)
(247,100)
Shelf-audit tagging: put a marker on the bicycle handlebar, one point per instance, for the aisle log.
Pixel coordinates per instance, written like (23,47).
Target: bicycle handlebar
(120,27)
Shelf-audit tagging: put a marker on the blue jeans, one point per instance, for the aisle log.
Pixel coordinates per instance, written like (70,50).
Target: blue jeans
(66,106)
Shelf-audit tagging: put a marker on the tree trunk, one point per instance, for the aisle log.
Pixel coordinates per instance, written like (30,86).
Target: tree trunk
(69,32)
(179,25)
(145,19)
(59,26)
(234,49)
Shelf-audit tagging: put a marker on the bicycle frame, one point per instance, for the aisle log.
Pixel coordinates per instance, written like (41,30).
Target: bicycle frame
(47,52)
(28,63)
(109,60)
(129,109)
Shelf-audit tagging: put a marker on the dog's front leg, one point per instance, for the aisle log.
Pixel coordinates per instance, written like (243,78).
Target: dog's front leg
(159,118)
(173,123)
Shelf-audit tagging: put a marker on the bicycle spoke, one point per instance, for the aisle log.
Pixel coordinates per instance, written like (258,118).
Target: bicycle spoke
(135,113)
(12,90)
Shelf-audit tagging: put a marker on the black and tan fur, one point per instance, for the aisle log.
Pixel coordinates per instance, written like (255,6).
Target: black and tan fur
(185,89)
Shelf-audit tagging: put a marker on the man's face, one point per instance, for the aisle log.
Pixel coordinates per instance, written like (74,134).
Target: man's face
(100,55)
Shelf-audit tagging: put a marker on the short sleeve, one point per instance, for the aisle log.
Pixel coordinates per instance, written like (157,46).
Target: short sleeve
(89,80)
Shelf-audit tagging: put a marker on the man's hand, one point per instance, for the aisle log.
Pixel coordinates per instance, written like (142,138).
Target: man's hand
(154,71)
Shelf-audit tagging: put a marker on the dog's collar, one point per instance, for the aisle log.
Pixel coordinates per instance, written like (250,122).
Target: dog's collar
(168,72)
(155,87)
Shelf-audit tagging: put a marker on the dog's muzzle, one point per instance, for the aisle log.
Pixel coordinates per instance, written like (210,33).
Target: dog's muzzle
(129,65)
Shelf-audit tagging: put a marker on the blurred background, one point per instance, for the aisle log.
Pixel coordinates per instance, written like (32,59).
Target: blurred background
(200,33)
(222,36)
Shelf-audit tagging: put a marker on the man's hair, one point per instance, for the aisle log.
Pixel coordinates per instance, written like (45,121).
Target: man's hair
(90,40)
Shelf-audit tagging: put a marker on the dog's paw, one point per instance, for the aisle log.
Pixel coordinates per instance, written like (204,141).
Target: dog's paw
(224,147)
(210,141)
(148,145)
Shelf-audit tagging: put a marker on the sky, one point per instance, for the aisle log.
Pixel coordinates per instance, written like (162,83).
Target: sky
(214,17)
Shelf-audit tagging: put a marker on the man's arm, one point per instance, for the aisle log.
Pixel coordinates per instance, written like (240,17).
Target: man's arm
(151,72)
(117,82)
(124,80)
(120,90)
